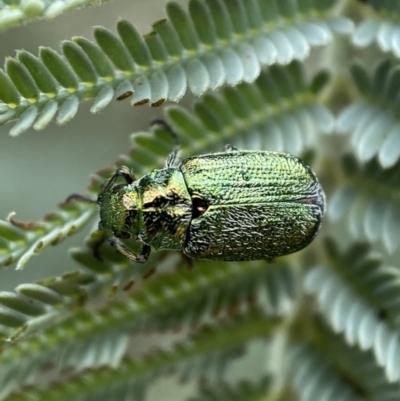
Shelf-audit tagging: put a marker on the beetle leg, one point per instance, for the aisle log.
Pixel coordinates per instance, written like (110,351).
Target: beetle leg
(229,148)
(188,261)
(96,248)
(144,254)
(171,159)
(124,172)
(128,253)
(78,197)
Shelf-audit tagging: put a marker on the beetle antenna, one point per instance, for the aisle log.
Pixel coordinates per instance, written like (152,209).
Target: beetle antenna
(174,154)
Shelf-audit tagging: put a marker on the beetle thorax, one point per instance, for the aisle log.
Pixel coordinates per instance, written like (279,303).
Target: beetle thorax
(166,209)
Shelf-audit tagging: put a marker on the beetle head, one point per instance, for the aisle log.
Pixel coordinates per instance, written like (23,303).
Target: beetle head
(119,214)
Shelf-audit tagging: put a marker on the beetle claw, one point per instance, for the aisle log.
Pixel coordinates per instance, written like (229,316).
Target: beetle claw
(229,148)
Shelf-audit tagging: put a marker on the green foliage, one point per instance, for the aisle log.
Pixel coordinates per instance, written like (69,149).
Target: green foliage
(14,12)
(322,324)
(373,120)
(369,200)
(215,43)
(245,391)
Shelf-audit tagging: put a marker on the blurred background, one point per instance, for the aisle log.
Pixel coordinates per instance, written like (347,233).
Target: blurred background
(40,169)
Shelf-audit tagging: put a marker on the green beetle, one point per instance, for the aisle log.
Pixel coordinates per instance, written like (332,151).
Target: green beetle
(233,205)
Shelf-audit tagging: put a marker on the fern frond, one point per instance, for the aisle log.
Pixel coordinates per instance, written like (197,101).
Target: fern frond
(280,110)
(21,241)
(382,27)
(219,345)
(313,378)
(369,200)
(168,302)
(374,121)
(354,369)
(359,366)
(243,391)
(211,44)
(22,11)
(359,299)
(33,307)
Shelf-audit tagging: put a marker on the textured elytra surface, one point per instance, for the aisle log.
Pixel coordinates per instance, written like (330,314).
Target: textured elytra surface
(249,177)
(259,205)
(252,232)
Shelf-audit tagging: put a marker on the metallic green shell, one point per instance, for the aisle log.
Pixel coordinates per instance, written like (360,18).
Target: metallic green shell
(260,205)
(233,205)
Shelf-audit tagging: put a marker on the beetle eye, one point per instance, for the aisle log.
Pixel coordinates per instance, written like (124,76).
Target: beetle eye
(122,234)
(200,206)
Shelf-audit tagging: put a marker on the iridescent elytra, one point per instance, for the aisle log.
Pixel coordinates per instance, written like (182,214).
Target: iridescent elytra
(232,205)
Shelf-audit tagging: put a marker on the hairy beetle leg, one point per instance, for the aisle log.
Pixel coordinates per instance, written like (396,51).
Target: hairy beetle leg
(127,252)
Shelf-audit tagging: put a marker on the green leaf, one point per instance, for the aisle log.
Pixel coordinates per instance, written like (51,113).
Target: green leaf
(157,48)
(204,25)
(307,364)
(26,239)
(135,44)
(114,49)
(215,344)
(99,59)
(41,75)
(237,14)
(16,12)
(46,115)
(21,305)
(349,292)
(380,27)
(8,92)
(212,44)
(372,121)
(22,79)
(221,19)
(58,67)
(68,110)
(166,43)
(25,121)
(243,391)
(80,62)
(183,26)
